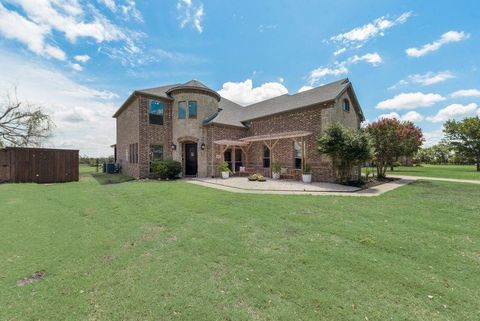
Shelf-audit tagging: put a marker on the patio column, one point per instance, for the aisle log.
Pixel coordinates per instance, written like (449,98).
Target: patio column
(233,159)
(302,143)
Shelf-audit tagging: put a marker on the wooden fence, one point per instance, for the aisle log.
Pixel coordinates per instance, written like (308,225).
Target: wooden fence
(38,165)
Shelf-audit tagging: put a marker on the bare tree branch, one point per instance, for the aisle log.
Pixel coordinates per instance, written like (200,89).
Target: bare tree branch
(22,124)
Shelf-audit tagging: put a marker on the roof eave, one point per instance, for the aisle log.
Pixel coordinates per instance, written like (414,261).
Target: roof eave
(134,95)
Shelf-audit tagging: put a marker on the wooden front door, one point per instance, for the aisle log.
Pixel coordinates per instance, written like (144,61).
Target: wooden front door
(191,159)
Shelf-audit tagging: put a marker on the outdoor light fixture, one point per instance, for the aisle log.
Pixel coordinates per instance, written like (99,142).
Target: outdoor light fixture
(202,147)
(173,146)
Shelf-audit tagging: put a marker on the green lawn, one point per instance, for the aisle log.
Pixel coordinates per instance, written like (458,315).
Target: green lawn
(148,250)
(445,171)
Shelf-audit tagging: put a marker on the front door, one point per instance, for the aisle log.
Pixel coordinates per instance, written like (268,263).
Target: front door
(190,159)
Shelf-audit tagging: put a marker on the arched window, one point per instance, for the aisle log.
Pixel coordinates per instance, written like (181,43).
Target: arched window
(346,105)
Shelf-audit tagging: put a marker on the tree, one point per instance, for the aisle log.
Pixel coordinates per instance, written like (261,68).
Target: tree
(393,138)
(411,138)
(347,148)
(22,124)
(464,137)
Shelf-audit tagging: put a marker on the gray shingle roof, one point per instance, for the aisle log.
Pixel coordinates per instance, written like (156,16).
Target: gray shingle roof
(288,102)
(230,114)
(159,91)
(233,114)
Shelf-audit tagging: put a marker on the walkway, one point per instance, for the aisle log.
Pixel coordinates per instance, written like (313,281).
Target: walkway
(454,180)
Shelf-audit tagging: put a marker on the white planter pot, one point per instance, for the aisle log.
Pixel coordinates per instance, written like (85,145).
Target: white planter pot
(225,174)
(275,175)
(307,178)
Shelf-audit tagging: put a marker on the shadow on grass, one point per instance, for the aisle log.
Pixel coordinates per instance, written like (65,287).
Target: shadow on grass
(106,179)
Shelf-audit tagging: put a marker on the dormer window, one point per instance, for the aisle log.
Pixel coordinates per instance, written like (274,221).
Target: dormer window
(346,105)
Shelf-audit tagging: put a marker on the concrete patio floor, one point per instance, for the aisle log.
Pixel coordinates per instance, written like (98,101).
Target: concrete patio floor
(278,185)
(291,187)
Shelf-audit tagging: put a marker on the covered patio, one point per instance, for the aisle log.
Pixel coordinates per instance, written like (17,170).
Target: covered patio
(269,140)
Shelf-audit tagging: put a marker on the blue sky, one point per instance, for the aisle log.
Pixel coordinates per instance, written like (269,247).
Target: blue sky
(416,60)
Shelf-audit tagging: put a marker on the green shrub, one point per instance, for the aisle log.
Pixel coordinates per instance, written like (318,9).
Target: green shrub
(307,169)
(276,167)
(166,169)
(257,177)
(223,167)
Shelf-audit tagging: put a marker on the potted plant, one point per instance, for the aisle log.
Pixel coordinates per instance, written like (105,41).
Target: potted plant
(276,169)
(307,174)
(223,168)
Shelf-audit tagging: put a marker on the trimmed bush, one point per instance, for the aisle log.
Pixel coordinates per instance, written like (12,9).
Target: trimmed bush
(166,169)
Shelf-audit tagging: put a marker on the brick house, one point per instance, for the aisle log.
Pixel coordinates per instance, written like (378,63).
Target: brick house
(194,125)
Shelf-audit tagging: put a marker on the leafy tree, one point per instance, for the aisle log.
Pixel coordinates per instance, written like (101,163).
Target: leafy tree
(347,148)
(22,124)
(464,136)
(393,138)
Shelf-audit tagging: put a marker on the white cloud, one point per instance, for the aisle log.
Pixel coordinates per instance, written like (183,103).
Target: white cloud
(305,88)
(262,28)
(190,14)
(432,137)
(410,101)
(466,93)
(454,111)
(411,116)
(76,67)
(426,79)
(82,114)
(244,93)
(31,34)
(82,58)
(110,4)
(389,115)
(447,37)
(340,68)
(33,23)
(340,51)
(358,36)
(319,73)
(372,58)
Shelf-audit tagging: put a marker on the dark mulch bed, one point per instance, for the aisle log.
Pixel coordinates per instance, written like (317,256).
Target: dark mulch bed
(372,182)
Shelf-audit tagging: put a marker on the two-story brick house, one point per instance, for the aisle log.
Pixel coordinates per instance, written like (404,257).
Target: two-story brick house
(194,125)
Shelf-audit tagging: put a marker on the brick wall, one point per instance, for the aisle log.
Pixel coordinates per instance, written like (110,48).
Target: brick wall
(153,134)
(133,127)
(127,133)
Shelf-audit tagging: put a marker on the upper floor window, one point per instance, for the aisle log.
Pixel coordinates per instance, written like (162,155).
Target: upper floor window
(155,112)
(346,105)
(182,110)
(192,109)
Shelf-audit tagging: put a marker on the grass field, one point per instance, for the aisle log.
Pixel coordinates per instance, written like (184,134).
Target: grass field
(445,171)
(148,250)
